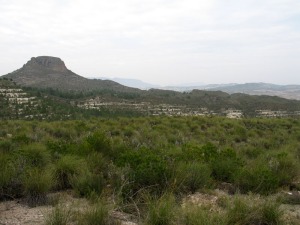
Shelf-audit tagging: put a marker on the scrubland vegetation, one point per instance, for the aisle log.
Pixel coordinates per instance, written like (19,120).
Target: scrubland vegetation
(146,166)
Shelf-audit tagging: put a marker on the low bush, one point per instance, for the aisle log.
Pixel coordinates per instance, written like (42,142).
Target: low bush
(97,215)
(225,165)
(147,169)
(65,168)
(257,178)
(162,211)
(7,175)
(6,146)
(193,176)
(87,184)
(36,183)
(100,143)
(248,212)
(35,155)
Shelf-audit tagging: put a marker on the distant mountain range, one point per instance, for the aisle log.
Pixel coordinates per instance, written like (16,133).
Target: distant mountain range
(284,91)
(48,76)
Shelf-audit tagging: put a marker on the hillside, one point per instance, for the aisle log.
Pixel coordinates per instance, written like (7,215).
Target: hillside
(50,72)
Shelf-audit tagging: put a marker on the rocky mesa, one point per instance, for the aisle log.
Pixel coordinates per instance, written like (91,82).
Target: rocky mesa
(51,72)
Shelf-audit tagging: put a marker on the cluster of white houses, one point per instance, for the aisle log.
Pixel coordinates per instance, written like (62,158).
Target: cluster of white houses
(177,110)
(16,96)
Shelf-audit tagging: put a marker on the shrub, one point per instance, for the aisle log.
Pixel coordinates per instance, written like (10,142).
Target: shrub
(247,212)
(285,167)
(36,185)
(225,164)
(258,178)
(162,211)
(7,174)
(35,155)
(148,169)
(65,168)
(88,183)
(5,145)
(96,162)
(193,176)
(100,143)
(98,215)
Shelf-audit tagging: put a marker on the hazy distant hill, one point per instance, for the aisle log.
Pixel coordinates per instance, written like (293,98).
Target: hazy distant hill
(284,91)
(51,72)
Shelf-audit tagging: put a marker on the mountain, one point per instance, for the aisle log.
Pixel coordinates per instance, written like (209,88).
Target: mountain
(284,91)
(50,72)
(59,92)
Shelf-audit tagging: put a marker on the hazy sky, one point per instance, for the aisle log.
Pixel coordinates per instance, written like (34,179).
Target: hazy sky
(158,41)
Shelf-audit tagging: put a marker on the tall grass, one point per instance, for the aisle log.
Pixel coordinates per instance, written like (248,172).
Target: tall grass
(97,215)
(195,215)
(58,216)
(36,183)
(162,211)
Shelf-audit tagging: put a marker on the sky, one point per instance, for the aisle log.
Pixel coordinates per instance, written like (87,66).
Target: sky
(164,42)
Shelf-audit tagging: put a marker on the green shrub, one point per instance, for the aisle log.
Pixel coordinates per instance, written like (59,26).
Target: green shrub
(65,168)
(162,211)
(35,155)
(225,165)
(36,183)
(193,176)
(7,175)
(96,162)
(5,145)
(148,169)
(257,178)
(100,143)
(97,215)
(248,213)
(88,183)
(285,167)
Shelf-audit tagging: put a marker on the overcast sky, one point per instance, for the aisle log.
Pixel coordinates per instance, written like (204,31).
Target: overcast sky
(163,42)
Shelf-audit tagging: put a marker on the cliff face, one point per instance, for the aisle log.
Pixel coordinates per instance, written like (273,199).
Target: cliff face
(52,63)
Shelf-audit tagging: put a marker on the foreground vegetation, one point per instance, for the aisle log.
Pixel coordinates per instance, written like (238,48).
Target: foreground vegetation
(148,165)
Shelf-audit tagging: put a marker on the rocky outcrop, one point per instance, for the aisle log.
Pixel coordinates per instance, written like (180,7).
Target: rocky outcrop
(52,63)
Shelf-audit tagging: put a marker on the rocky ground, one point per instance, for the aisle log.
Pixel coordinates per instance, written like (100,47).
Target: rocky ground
(17,213)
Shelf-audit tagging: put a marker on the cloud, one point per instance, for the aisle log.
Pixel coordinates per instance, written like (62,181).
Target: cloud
(158,41)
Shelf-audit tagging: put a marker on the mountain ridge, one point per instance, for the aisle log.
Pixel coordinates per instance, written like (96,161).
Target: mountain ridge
(51,72)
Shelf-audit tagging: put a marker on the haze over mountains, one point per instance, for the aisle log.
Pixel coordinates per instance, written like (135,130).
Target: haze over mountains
(284,91)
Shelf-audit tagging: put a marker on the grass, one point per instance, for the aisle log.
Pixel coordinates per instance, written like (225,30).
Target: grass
(58,216)
(97,215)
(248,212)
(161,211)
(37,184)
(195,215)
